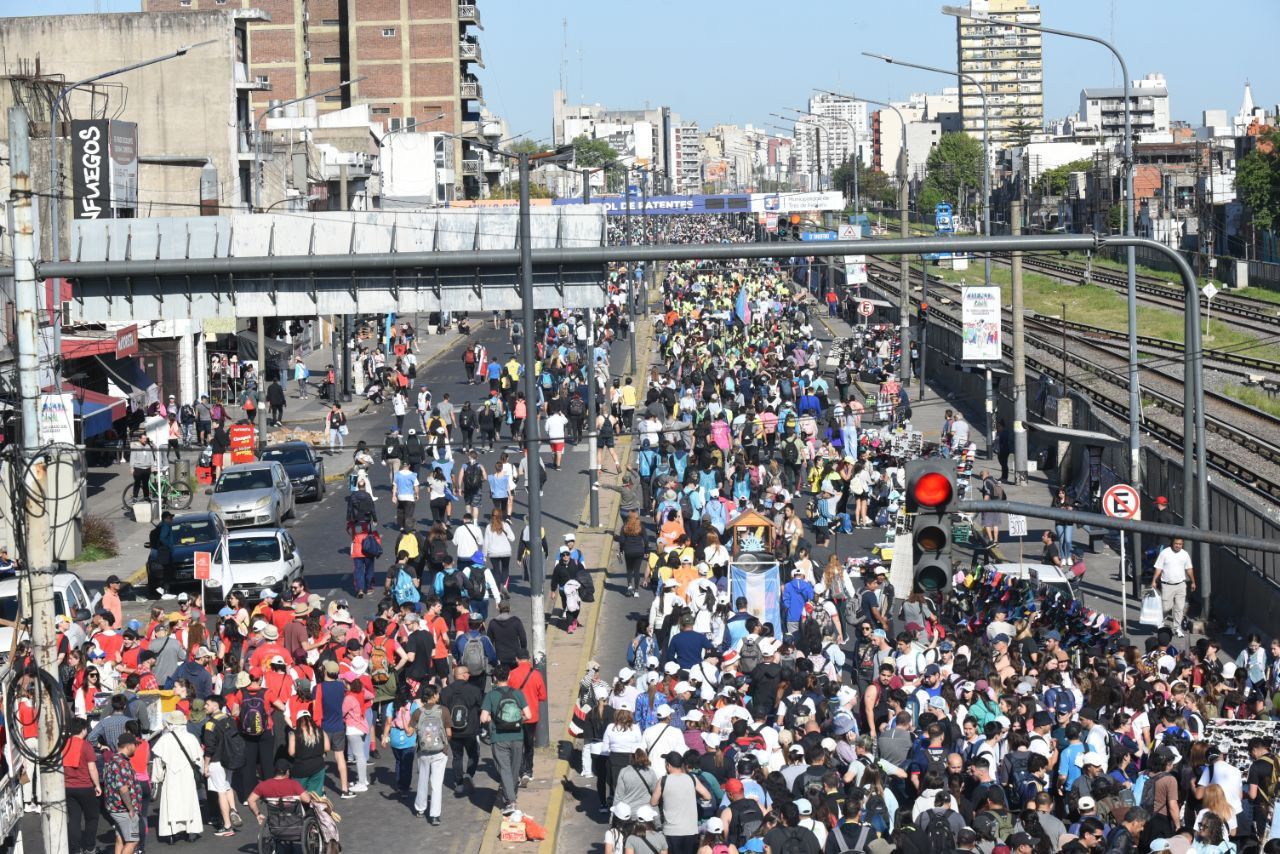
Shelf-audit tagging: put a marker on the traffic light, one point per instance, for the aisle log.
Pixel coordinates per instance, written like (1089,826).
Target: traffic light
(931,495)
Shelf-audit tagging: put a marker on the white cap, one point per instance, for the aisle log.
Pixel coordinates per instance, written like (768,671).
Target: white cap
(712,739)
(829,745)
(626,674)
(769,646)
(663,711)
(1093,758)
(1229,670)
(644,812)
(1086,803)
(683,687)
(1039,746)
(714,825)
(671,668)
(693,716)
(652,662)
(804,806)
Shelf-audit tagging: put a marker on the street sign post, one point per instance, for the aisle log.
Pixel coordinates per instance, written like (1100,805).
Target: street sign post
(1018,528)
(866,309)
(1123,502)
(811,236)
(849,231)
(1210,291)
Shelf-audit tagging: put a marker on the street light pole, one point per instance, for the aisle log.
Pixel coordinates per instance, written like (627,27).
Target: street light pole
(55,186)
(986,207)
(1190,507)
(904,263)
(257,134)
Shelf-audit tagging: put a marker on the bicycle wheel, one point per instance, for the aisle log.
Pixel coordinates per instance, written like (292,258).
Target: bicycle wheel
(180,495)
(126,498)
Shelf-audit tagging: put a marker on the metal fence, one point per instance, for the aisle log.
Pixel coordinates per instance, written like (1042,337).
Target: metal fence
(1246,583)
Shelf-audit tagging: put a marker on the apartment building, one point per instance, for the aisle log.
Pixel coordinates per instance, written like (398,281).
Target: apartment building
(418,59)
(1103,109)
(1008,63)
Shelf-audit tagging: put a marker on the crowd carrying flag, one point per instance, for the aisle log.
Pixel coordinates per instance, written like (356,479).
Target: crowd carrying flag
(743,308)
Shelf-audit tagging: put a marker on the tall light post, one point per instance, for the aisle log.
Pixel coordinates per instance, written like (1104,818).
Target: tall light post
(904,263)
(55,186)
(1201,500)
(986,206)
(257,134)
(853,135)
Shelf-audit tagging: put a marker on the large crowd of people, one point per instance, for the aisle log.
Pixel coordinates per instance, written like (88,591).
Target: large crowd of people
(854,717)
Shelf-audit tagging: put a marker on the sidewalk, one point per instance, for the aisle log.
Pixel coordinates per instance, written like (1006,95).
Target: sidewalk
(107,484)
(568,655)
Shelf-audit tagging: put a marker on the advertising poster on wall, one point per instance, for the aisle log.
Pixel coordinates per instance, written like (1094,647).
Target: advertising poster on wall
(980,319)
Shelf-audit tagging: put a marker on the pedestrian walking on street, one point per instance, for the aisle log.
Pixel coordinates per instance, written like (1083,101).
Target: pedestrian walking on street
(505,711)
(275,403)
(1173,577)
(301,373)
(336,423)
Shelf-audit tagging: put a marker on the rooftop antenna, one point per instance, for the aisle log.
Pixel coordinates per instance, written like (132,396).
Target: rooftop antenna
(582,97)
(564,55)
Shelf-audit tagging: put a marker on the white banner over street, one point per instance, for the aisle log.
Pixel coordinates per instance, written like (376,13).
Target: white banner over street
(980,316)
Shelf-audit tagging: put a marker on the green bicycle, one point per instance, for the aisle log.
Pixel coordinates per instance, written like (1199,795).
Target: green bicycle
(175,494)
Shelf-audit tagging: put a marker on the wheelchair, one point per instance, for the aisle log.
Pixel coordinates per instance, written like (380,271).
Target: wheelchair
(290,828)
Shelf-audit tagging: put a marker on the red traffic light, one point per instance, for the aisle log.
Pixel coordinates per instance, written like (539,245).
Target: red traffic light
(933,489)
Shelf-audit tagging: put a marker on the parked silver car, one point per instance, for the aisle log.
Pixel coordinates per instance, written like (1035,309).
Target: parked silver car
(253,495)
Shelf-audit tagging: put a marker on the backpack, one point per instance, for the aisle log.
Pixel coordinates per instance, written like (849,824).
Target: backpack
(187,415)
(1144,791)
(686,505)
(467,419)
(1002,821)
(371,546)
(360,508)
(744,823)
(1022,789)
(405,590)
(749,655)
(379,664)
(1267,790)
(430,731)
(137,709)
(853,837)
(791,453)
(641,651)
(253,714)
(577,408)
(472,478)
(439,551)
(474,582)
(586,585)
(231,751)
(473,657)
(509,715)
(460,717)
(939,833)
(794,842)
(876,813)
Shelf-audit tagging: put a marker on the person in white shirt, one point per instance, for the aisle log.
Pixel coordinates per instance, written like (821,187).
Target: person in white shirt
(554,427)
(1175,574)
(468,538)
(1225,774)
(663,737)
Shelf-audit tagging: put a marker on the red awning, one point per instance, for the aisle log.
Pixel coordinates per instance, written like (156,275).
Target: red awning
(83,348)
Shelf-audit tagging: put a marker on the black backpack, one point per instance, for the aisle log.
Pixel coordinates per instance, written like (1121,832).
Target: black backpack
(472,478)
(794,841)
(460,717)
(360,508)
(577,408)
(586,585)
(744,822)
(790,452)
(939,833)
(253,713)
(467,419)
(439,551)
(475,583)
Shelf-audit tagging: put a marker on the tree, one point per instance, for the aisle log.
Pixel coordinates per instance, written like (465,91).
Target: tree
(953,168)
(1115,218)
(591,153)
(1053,182)
(1021,128)
(526,146)
(873,185)
(511,190)
(1258,180)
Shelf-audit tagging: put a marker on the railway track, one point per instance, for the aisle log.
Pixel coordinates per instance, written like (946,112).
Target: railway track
(1239,439)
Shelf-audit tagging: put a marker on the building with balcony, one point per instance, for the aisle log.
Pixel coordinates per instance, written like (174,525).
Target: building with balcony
(418,59)
(687,166)
(1008,63)
(1103,109)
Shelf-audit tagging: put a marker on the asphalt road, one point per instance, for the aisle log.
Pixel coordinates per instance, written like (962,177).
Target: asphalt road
(377,818)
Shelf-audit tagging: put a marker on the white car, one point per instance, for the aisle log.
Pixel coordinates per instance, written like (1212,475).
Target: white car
(254,561)
(69,596)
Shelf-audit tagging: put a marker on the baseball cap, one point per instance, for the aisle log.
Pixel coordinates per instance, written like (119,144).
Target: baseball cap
(733,786)
(804,806)
(1086,803)
(671,668)
(1020,838)
(626,674)
(663,711)
(644,812)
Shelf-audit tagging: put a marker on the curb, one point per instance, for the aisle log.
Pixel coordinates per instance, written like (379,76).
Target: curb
(555,806)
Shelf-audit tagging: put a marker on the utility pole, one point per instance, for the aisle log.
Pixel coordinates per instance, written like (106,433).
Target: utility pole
(259,410)
(904,267)
(537,569)
(631,278)
(593,471)
(924,321)
(51,783)
(342,360)
(1019,354)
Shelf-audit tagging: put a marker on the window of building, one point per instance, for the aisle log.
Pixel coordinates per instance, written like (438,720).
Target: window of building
(395,123)
(332,60)
(219,2)
(184,2)
(333,98)
(441,161)
(410,124)
(263,79)
(329,22)
(388,32)
(382,111)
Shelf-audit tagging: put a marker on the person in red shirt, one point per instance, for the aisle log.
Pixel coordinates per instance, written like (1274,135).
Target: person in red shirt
(281,616)
(146,679)
(80,764)
(526,679)
(269,648)
(281,786)
(439,629)
(129,651)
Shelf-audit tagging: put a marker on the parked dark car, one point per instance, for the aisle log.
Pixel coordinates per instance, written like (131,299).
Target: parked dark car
(192,532)
(304,467)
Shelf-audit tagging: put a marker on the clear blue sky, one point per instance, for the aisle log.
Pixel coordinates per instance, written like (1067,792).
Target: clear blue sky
(738,60)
